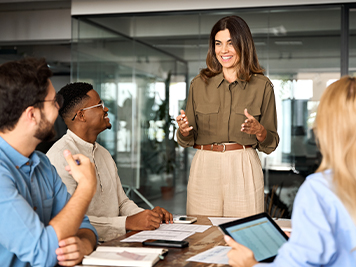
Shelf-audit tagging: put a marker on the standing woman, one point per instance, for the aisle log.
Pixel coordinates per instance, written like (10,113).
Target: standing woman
(230,112)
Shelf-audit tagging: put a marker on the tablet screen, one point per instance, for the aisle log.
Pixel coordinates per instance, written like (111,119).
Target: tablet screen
(259,235)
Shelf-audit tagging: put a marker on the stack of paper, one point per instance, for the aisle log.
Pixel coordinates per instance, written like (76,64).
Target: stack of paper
(216,255)
(285,224)
(174,232)
(123,256)
(158,234)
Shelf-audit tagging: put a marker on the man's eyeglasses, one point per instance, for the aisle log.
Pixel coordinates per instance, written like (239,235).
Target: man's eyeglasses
(98,105)
(57,99)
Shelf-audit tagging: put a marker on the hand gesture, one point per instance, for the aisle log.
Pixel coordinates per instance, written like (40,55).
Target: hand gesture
(239,255)
(165,215)
(183,123)
(71,251)
(80,168)
(144,220)
(252,126)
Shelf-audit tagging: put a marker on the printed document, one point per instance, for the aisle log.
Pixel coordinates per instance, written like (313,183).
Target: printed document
(158,234)
(215,255)
(123,256)
(285,224)
(220,220)
(184,227)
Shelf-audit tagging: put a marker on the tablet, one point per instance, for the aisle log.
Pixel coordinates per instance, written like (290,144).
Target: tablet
(259,233)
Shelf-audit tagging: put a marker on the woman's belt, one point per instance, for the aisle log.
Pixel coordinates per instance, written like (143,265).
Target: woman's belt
(221,147)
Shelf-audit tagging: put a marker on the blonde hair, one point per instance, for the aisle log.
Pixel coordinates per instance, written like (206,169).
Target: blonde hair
(336,133)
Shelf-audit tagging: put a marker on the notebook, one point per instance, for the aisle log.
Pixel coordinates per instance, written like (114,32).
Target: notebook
(124,256)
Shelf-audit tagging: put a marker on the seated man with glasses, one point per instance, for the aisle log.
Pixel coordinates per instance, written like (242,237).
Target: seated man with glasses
(41,224)
(111,212)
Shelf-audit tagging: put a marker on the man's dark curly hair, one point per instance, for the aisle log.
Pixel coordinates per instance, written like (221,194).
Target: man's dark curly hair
(23,83)
(73,95)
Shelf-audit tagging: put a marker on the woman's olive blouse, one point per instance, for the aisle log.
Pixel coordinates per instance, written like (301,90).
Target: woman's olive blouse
(216,112)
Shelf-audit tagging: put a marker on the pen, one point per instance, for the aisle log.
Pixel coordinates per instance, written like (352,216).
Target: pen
(164,253)
(77,161)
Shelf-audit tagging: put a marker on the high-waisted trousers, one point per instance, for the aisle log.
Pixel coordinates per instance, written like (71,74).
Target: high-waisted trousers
(225,184)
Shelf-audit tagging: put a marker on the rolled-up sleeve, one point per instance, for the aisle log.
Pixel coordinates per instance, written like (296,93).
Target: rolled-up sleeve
(87,225)
(188,141)
(61,198)
(269,121)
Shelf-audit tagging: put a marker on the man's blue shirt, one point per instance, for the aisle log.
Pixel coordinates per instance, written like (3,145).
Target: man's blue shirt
(31,194)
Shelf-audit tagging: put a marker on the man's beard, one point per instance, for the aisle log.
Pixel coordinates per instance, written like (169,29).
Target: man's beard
(46,130)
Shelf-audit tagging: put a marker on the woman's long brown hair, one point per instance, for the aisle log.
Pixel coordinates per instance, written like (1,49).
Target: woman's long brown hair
(243,44)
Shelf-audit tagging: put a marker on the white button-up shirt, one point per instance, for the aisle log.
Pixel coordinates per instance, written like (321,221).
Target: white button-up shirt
(110,206)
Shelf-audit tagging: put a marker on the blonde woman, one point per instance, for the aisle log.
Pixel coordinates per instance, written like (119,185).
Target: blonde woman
(324,214)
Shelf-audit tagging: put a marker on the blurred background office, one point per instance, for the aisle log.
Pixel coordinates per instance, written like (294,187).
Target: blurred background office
(141,56)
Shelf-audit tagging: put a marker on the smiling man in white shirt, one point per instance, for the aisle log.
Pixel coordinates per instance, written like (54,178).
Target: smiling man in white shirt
(111,212)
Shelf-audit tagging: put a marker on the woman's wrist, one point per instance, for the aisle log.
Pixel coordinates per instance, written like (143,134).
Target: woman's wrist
(262,134)
(185,134)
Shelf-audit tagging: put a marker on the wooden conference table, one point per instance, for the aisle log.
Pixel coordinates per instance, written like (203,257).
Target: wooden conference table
(198,242)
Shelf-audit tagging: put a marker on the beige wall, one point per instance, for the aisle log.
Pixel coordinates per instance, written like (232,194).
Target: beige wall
(35,25)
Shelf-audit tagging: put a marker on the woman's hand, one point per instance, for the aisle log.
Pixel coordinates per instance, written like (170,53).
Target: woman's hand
(252,126)
(183,123)
(239,255)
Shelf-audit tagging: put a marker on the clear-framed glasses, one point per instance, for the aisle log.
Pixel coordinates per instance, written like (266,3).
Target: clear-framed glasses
(57,99)
(95,106)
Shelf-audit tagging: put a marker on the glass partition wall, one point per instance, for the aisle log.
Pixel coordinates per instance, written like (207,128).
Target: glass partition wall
(352,41)
(143,87)
(142,64)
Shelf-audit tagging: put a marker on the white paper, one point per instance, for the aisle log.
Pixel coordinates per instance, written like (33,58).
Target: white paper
(123,256)
(158,234)
(184,227)
(219,220)
(216,255)
(285,224)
